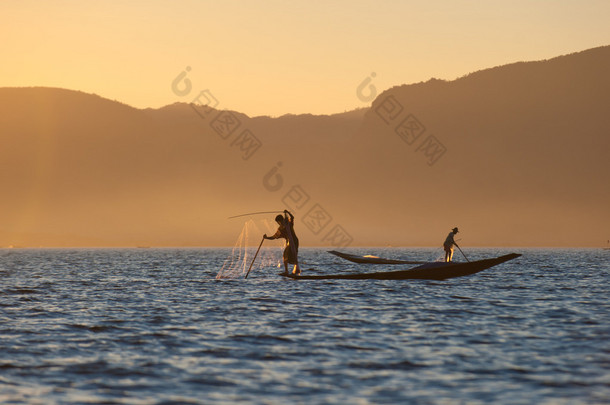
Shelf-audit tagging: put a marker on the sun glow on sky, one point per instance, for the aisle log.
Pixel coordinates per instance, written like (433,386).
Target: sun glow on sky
(275,57)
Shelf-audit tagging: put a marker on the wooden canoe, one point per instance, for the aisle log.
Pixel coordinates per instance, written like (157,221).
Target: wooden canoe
(371,259)
(427,271)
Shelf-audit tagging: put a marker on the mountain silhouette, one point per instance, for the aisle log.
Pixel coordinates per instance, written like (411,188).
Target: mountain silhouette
(515,155)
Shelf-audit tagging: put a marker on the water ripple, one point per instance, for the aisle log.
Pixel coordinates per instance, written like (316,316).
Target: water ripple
(153,326)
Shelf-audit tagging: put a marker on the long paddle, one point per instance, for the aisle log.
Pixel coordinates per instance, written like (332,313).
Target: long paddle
(461,251)
(259,248)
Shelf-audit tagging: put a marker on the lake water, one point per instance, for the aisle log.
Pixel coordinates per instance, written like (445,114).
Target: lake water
(154,326)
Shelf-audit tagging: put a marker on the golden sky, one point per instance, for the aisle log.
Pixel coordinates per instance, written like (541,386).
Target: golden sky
(276,57)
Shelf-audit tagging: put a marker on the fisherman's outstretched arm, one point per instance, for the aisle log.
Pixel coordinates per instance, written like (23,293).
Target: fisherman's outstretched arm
(276,235)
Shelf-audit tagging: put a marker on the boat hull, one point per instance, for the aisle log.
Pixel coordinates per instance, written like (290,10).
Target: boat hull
(371,259)
(428,271)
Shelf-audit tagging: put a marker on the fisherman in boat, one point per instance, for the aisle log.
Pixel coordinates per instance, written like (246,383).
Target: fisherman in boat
(286,231)
(448,244)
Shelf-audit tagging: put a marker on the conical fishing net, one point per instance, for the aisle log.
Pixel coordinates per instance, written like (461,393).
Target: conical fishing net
(269,256)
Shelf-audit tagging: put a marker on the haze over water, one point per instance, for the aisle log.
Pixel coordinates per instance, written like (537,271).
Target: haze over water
(153,326)
(467,113)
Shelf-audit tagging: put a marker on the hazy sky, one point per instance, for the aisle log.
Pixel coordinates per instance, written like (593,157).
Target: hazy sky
(275,57)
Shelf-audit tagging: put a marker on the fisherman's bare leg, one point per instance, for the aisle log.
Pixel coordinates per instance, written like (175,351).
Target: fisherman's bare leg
(448,254)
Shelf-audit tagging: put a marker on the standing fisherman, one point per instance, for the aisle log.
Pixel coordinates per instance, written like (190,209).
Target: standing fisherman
(286,231)
(448,245)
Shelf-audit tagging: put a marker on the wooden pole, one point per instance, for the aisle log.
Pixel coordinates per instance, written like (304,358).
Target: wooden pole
(255,213)
(461,252)
(259,248)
